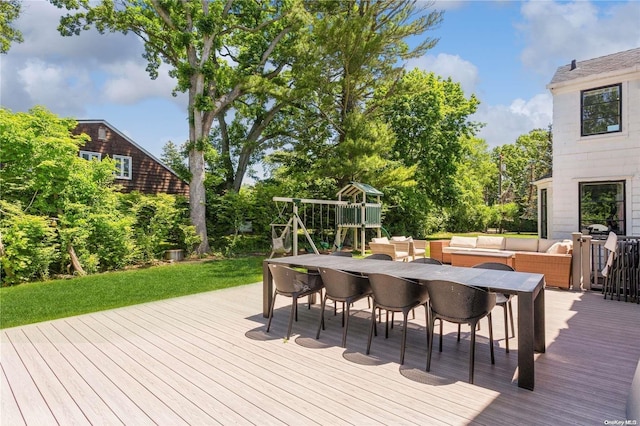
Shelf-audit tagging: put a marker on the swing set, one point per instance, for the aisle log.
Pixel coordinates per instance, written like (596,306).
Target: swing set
(354,213)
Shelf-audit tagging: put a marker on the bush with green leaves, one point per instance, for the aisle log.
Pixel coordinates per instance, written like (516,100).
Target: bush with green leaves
(27,246)
(63,214)
(159,222)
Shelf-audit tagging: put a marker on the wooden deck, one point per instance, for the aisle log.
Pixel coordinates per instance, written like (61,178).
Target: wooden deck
(205,359)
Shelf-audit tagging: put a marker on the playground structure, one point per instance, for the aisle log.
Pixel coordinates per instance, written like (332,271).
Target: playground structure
(352,212)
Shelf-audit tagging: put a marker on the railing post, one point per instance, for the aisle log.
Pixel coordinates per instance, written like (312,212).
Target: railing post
(586,262)
(576,261)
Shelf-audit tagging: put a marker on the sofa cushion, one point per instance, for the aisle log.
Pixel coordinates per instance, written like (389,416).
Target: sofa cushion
(383,240)
(464,242)
(401,238)
(544,244)
(558,248)
(469,249)
(521,244)
(490,242)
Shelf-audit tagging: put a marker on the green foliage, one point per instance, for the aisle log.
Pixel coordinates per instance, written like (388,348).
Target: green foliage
(27,245)
(9,12)
(158,223)
(429,117)
(475,172)
(57,205)
(174,157)
(36,151)
(524,162)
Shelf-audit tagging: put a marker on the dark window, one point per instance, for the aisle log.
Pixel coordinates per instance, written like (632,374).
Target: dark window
(602,207)
(543,214)
(601,110)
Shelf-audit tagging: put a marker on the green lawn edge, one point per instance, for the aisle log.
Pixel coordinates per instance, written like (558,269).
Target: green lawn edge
(42,301)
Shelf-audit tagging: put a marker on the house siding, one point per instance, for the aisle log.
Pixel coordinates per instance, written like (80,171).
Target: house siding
(148,175)
(609,157)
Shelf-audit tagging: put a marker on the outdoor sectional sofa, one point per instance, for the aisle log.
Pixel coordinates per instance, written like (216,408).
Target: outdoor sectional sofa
(549,257)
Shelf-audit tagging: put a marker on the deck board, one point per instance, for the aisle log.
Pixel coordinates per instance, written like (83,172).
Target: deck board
(206,359)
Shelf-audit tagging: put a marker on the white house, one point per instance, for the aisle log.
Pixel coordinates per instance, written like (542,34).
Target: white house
(595,184)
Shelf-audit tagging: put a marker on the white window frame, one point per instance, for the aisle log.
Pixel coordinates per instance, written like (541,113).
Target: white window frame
(90,155)
(120,173)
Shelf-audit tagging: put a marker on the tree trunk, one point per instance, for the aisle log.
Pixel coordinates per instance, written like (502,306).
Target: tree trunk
(75,262)
(198,199)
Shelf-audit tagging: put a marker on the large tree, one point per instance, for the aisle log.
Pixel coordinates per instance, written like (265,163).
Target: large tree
(219,51)
(358,46)
(430,117)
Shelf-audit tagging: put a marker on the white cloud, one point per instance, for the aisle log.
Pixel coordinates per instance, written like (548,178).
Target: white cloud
(71,74)
(445,65)
(54,86)
(128,83)
(557,32)
(504,124)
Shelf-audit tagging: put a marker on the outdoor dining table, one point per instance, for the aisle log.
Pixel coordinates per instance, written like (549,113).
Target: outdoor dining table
(527,286)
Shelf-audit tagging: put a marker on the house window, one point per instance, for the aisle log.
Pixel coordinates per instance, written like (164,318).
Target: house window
(601,110)
(89,155)
(123,166)
(602,207)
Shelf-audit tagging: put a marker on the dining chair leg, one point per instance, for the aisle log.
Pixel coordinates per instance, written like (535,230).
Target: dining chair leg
(404,336)
(273,304)
(294,312)
(426,317)
(472,352)
(430,343)
(386,327)
(459,332)
(506,327)
(346,327)
(373,325)
(493,359)
(440,348)
(321,325)
(513,328)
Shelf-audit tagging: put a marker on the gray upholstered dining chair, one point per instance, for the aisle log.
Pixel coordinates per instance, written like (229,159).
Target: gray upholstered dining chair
(341,253)
(345,287)
(460,304)
(379,256)
(396,294)
(295,284)
(502,300)
(427,260)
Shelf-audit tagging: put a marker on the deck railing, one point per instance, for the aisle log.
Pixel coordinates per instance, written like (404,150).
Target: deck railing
(589,260)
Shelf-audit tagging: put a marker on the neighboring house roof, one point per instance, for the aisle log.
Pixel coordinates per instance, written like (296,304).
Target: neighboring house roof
(131,141)
(604,64)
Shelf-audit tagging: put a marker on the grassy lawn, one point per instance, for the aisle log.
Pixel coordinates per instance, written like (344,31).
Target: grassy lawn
(41,301)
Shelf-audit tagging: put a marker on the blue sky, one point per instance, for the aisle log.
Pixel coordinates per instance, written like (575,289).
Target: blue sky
(503,51)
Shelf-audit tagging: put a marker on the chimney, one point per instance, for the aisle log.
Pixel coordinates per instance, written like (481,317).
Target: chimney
(573,65)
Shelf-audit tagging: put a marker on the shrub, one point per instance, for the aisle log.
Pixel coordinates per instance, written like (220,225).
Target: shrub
(28,245)
(159,222)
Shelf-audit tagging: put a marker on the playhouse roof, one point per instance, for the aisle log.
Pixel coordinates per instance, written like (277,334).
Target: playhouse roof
(356,187)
